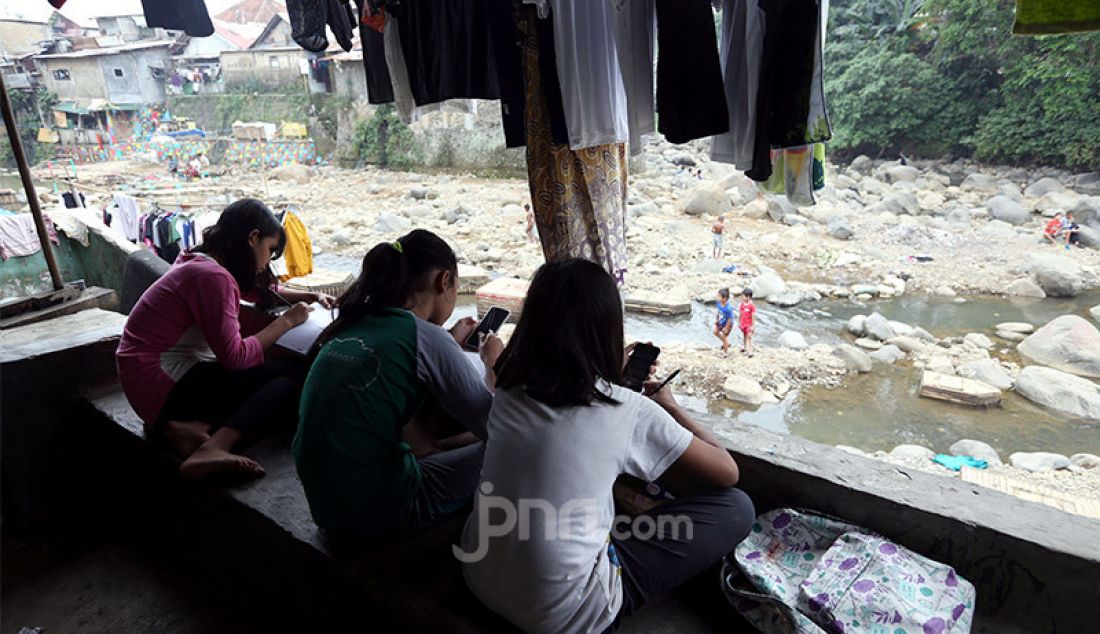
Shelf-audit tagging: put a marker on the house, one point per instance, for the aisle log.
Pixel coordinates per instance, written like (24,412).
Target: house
(19,36)
(252,11)
(276,33)
(126,28)
(271,68)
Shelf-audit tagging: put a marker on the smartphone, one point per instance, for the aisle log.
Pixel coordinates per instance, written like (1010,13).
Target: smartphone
(493,320)
(637,367)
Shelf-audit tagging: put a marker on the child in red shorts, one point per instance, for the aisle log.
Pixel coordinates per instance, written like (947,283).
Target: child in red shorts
(747,320)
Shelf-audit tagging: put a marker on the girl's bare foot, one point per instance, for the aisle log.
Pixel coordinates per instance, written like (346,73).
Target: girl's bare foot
(186,436)
(209,460)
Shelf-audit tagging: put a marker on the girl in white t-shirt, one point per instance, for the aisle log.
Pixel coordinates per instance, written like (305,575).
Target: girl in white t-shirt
(543,546)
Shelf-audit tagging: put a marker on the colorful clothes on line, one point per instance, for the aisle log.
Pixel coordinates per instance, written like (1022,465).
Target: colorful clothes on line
(19,237)
(298,253)
(797,172)
(578,196)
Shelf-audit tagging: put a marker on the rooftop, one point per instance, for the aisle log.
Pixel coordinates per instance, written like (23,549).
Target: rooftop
(113,50)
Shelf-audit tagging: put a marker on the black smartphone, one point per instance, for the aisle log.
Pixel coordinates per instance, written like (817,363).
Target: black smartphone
(637,367)
(493,320)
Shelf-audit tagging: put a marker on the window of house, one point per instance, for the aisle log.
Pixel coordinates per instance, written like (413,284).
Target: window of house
(275,62)
(61,74)
(119,73)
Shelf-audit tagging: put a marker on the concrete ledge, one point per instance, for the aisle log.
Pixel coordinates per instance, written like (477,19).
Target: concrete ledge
(1036,568)
(142,269)
(69,332)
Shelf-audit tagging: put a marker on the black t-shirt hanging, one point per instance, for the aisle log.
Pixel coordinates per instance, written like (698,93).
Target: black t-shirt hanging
(448,47)
(691,98)
(786,76)
(189,16)
(379,85)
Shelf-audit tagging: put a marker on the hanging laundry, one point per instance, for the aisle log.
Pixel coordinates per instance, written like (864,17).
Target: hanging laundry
(508,55)
(126,216)
(797,173)
(741,49)
(379,85)
(448,48)
(307,23)
(578,196)
(1036,17)
(787,74)
(548,77)
(19,237)
(298,253)
(593,93)
(635,44)
(73,200)
(189,16)
(691,98)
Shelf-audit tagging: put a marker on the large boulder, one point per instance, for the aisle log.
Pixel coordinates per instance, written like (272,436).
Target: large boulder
(912,451)
(839,227)
(854,358)
(1037,461)
(987,371)
(1057,275)
(979,183)
(977,449)
(743,390)
(767,284)
(292,172)
(861,165)
(1025,288)
(793,340)
(898,204)
(1094,312)
(1007,210)
(779,208)
(1089,237)
(887,354)
(1060,391)
(879,327)
(1044,186)
(902,173)
(391,223)
(872,186)
(1069,343)
(857,325)
(708,197)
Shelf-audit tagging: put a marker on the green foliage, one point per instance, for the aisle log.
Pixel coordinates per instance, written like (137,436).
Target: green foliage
(29,109)
(947,76)
(385,140)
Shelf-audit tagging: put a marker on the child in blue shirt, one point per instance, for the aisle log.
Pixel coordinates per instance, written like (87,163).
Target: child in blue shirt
(723,321)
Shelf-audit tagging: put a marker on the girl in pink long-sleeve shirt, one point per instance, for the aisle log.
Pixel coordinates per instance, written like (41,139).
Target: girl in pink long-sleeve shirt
(182,362)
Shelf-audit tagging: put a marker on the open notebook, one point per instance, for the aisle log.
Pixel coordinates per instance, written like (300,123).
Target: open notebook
(301,338)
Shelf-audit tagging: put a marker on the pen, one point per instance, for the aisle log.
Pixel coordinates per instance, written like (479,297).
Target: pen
(281,298)
(665,382)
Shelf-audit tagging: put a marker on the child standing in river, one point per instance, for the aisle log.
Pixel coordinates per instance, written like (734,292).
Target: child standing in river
(723,321)
(747,320)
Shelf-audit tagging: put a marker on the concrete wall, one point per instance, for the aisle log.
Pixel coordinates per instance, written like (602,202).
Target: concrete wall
(85,77)
(28,275)
(22,37)
(137,84)
(349,79)
(273,68)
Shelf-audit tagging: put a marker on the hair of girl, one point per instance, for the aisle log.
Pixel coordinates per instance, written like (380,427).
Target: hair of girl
(569,337)
(227,241)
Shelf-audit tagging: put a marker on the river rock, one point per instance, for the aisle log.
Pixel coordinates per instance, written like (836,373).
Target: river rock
(987,371)
(839,227)
(757,209)
(1060,391)
(1068,343)
(423,193)
(845,258)
(878,327)
(682,159)
(979,182)
(1089,237)
(868,344)
(857,325)
(708,197)
(743,390)
(902,173)
(909,344)
(1044,186)
(912,451)
(1038,461)
(786,299)
(1085,460)
(1094,312)
(1057,275)
(1007,210)
(898,204)
(924,335)
(854,358)
(977,449)
(767,284)
(861,165)
(1008,335)
(391,223)
(887,354)
(997,230)
(945,291)
(958,217)
(980,340)
(1054,202)
(940,363)
(779,208)
(793,340)
(1025,288)
(292,172)
(1017,326)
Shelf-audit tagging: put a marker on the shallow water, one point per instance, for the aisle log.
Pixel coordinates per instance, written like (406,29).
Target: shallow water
(878,410)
